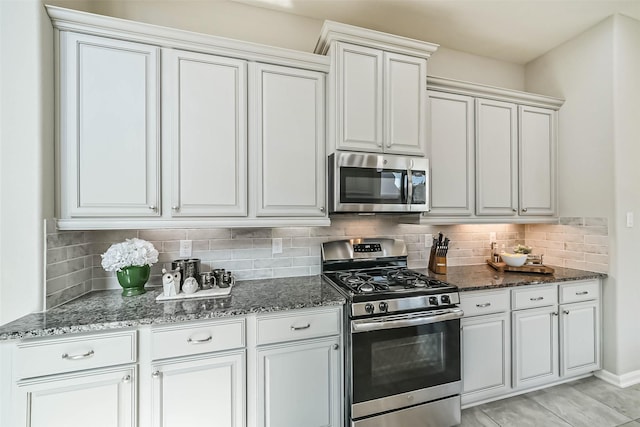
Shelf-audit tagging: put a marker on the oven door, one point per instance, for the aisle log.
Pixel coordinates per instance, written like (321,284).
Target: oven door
(378,183)
(403,360)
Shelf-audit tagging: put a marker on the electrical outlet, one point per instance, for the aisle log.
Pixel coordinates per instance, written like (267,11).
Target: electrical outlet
(629,219)
(186,247)
(276,245)
(428,240)
(492,237)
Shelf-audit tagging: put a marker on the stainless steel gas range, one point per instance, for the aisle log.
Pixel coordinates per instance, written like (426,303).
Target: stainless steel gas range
(402,337)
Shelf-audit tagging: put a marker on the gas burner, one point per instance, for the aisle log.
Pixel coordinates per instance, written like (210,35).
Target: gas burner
(366,287)
(406,278)
(355,278)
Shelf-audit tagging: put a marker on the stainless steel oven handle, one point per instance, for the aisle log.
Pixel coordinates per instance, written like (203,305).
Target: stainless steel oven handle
(403,321)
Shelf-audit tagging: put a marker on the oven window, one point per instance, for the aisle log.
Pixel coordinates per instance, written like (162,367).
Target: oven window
(393,361)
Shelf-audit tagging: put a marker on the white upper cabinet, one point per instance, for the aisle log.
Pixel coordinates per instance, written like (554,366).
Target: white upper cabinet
(109,138)
(377,90)
(537,137)
(207,103)
(289,141)
(358,112)
(451,148)
(497,157)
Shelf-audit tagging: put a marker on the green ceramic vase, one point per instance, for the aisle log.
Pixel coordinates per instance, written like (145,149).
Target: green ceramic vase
(132,279)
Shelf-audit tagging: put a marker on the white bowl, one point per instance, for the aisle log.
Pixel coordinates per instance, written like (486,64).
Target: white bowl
(514,260)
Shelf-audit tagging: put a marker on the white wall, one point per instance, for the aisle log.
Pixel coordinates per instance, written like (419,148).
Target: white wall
(26,128)
(598,161)
(259,25)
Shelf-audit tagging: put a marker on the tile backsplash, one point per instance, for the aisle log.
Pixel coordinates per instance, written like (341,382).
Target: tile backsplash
(74,262)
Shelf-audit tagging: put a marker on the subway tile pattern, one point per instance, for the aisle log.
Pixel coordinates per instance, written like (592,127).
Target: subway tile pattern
(73,258)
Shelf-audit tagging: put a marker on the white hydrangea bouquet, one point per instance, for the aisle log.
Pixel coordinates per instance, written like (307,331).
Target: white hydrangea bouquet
(131,252)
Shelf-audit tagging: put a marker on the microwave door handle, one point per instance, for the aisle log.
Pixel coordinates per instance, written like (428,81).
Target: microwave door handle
(409,187)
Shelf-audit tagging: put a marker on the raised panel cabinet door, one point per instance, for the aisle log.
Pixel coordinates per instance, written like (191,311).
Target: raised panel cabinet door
(405,104)
(451,154)
(104,398)
(579,338)
(496,158)
(109,137)
(289,141)
(535,346)
(208,96)
(359,98)
(537,160)
(299,384)
(486,356)
(203,391)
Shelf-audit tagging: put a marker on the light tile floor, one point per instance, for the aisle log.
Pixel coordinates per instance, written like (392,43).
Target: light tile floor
(589,402)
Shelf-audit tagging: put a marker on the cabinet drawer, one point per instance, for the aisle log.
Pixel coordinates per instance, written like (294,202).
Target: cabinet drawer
(484,302)
(579,291)
(197,338)
(526,297)
(289,327)
(34,358)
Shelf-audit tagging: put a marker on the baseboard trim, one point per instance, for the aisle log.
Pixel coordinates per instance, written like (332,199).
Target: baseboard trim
(623,381)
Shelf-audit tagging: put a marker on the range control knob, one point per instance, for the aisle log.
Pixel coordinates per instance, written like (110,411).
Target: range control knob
(383,306)
(445,299)
(369,308)
(433,301)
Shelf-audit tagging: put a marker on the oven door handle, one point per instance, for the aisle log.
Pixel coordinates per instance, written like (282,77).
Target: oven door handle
(403,321)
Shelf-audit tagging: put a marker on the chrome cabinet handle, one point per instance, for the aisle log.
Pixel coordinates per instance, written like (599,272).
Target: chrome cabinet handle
(126,379)
(153,207)
(524,209)
(155,374)
(322,209)
(175,208)
(336,346)
(565,311)
(582,293)
(536,299)
(555,313)
(486,304)
(300,328)
(202,341)
(514,209)
(86,355)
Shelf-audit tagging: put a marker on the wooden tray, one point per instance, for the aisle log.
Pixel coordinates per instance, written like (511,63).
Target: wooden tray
(531,268)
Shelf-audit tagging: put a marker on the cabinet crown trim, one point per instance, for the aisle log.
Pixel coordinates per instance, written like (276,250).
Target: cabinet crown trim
(89,23)
(492,92)
(335,31)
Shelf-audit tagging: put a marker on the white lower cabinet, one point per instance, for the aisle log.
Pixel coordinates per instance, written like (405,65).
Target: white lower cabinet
(299,384)
(298,375)
(486,345)
(202,391)
(579,338)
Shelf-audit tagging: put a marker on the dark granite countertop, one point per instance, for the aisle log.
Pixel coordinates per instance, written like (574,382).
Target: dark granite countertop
(102,310)
(479,277)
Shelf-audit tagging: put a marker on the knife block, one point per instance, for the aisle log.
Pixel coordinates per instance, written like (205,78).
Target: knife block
(437,264)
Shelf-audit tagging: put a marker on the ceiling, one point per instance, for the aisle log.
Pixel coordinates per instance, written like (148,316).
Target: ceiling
(516,31)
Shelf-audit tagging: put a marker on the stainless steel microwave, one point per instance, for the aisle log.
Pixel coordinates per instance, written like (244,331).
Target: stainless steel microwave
(365,182)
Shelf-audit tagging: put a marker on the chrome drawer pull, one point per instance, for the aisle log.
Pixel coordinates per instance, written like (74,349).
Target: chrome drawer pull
(299,328)
(582,293)
(202,341)
(536,299)
(78,356)
(486,304)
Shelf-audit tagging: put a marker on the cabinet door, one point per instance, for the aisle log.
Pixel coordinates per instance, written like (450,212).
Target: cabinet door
(486,354)
(105,398)
(109,139)
(405,104)
(205,391)
(535,346)
(208,134)
(497,158)
(451,154)
(299,384)
(359,98)
(579,338)
(537,161)
(289,141)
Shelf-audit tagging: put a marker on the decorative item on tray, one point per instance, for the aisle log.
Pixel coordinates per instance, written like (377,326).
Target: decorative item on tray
(520,260)
(438,257)
(210,284)
(131,260)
